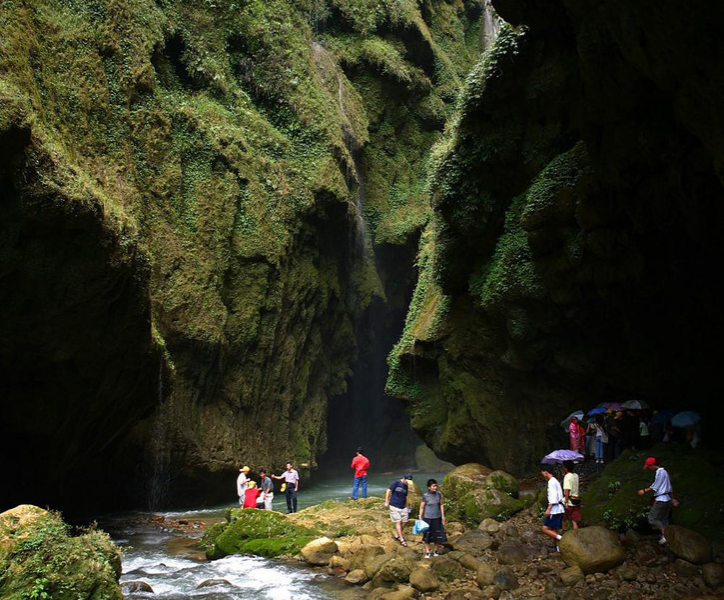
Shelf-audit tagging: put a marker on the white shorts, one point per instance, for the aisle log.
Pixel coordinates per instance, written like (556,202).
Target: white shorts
(399,515)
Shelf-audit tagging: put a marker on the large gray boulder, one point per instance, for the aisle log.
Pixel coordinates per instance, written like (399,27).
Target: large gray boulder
(394,571)
(485,575)
(363,555)
(689,545)
(463,479)
(592,549)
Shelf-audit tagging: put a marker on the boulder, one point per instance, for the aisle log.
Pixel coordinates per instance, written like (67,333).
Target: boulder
(338,562)
(593,549)
(363,555)
(689,545)
(203,584)
(396,570)
(447,569)
(318,552)
(713,575)
(490,526)
(463,479)
(491,591)
(505,580)
(511,531)
(571,576)
(485,575)
(505,482)
(134,587)
(512,552)
(424,580)
(31,538)
(481,504)
(375,564)
(466,560)
(404,592)
(684,568)
(356,577)
(473,542)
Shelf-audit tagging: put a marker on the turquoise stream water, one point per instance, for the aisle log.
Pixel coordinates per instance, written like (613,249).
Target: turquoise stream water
(174,567)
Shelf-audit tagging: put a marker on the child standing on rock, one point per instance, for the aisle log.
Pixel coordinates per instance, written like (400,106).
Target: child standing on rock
(432,511)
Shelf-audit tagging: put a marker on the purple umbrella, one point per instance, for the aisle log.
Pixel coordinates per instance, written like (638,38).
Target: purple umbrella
(558,456)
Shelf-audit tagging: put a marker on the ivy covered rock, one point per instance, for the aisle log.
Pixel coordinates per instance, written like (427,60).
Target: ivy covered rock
(39,558)
(259,532)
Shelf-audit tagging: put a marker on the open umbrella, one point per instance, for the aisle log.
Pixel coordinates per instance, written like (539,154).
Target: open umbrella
(567,421)
(685,419)
(663,416)
(596,411)
(635,405)
(558,456)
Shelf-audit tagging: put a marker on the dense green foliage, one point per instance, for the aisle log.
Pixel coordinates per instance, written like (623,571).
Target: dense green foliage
(39,558)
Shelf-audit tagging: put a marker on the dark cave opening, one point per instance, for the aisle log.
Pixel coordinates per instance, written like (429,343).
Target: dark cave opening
(365,416)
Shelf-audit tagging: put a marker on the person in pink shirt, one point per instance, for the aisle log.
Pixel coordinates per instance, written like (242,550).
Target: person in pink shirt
(360,464)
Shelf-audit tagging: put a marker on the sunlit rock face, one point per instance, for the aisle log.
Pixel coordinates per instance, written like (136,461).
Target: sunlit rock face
(192,197)
(574,255)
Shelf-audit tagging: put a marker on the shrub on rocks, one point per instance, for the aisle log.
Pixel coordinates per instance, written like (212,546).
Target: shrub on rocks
(39,559)
(689,545)
(593,549)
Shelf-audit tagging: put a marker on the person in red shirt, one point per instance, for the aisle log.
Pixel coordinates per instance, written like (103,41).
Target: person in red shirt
(251,494)
(360,464)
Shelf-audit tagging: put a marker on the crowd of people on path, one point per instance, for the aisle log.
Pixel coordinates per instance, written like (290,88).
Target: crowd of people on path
(260,495)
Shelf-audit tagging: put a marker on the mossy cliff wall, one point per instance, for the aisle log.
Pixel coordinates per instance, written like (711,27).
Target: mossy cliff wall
(575,251)
(191,192)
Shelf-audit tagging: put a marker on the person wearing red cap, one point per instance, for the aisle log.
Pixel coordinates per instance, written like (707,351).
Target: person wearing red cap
(660,512)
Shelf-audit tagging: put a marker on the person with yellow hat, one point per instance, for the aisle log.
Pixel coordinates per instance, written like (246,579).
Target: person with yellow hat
(241,483)
(251,494)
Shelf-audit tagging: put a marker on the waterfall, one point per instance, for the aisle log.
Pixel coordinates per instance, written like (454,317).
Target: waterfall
(159,478)
(491,24)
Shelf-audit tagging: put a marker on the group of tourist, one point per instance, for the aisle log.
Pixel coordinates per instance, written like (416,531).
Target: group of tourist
(604,436)
(260,494)
(564,503)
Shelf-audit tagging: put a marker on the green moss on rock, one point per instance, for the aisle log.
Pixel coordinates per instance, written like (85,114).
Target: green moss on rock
(257,532)
(39,558)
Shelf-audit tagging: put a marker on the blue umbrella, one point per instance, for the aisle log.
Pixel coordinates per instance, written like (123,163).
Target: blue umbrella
(685,419)
(558,456)
(663,416)
(597,411)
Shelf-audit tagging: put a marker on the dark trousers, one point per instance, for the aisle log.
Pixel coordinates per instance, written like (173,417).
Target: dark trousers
(291,495)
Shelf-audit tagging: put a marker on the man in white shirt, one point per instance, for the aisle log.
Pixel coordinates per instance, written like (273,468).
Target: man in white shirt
(241,482)
(660,512)
(290,486)
(554,510)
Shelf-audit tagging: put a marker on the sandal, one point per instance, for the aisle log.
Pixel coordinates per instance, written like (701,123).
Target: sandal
(403,543)
(397,538)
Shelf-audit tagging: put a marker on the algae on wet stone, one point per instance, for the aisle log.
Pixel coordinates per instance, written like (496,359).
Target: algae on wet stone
(257,532)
